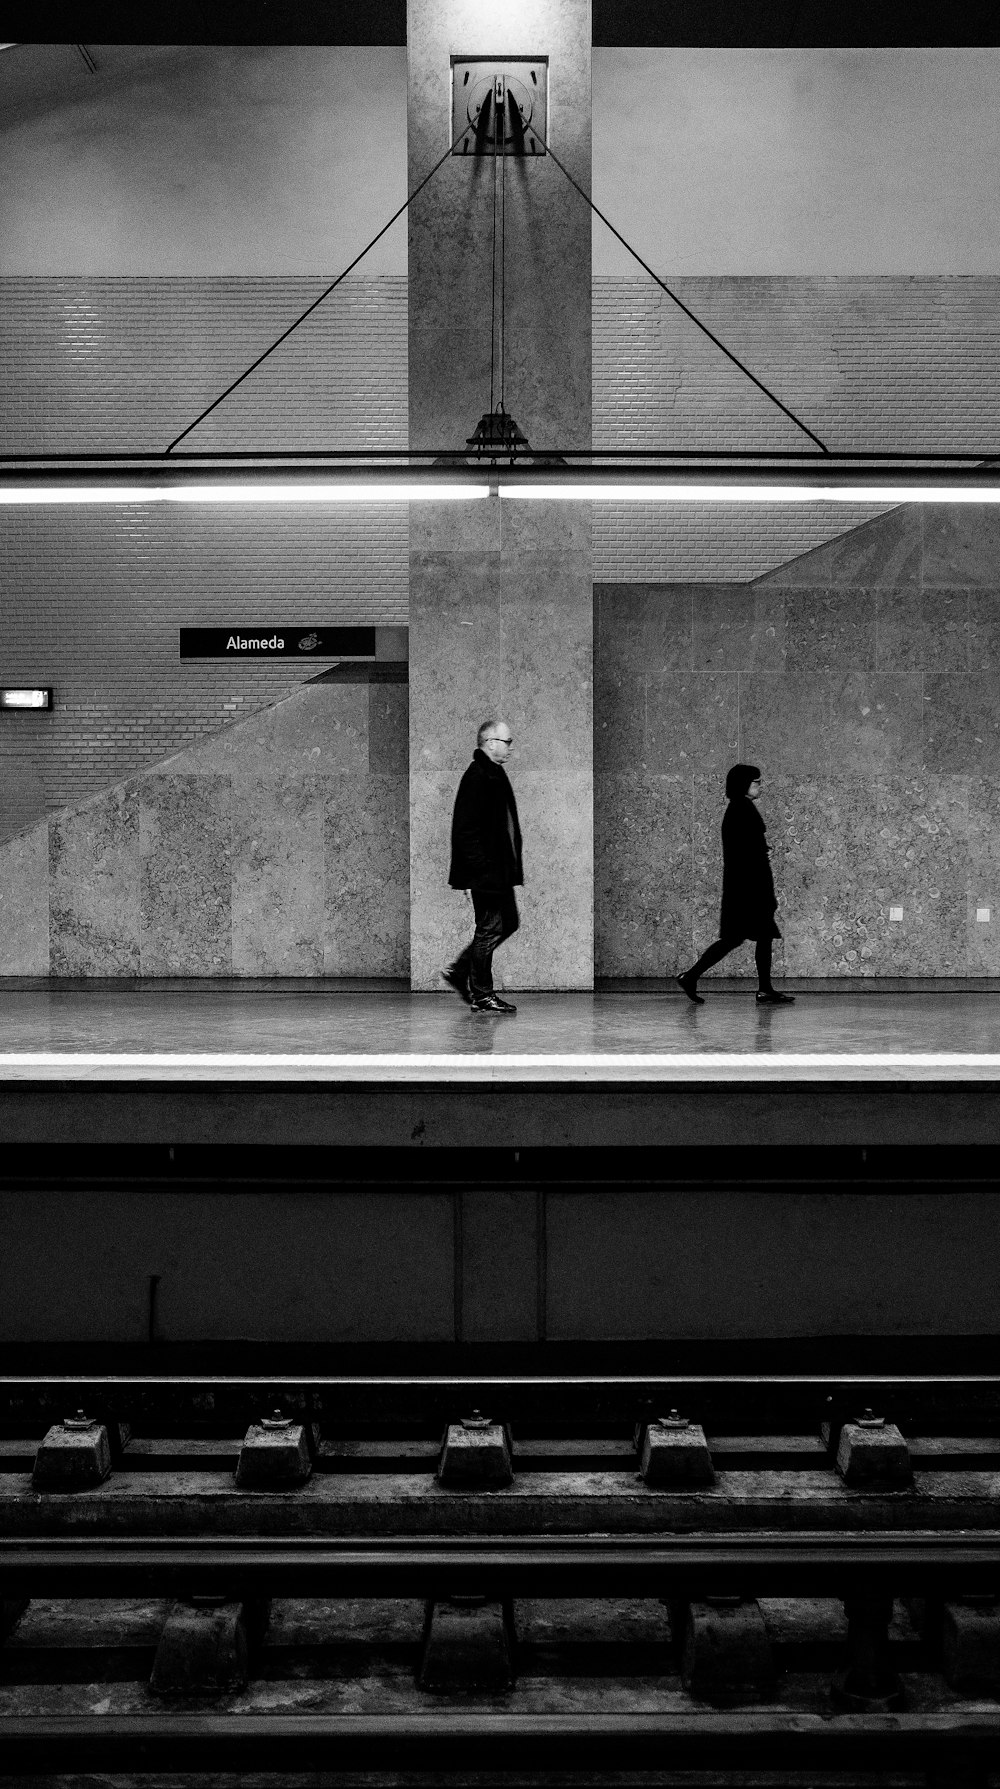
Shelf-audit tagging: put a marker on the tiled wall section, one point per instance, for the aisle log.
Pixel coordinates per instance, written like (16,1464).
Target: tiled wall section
(863,679)
(109,364)
(92,601)
(866,362)
(93,364)
(94,606)
(279,847)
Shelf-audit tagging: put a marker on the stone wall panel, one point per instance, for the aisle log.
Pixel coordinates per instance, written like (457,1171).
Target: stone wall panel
(879,742)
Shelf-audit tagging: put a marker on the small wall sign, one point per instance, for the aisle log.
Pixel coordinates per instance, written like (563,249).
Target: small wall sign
(277,642)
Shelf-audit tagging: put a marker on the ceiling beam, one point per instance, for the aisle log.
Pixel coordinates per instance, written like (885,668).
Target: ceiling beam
(736,24)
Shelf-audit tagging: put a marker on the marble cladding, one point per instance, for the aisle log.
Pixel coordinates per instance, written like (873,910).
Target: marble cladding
(24,904)
(482,627)
(278,847)
(367,845)
(277,876)
(501,606)
(94,883)
(548,298)
(862,678)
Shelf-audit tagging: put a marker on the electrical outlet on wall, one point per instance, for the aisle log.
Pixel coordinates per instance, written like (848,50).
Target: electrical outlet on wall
(895,915)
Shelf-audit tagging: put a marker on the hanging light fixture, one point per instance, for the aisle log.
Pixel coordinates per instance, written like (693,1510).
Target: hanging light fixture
(497,458)
(231,482)
(840,481)
(567,477)
(668,492)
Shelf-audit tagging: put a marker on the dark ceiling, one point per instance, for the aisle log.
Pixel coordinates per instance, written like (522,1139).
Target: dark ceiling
(734,24)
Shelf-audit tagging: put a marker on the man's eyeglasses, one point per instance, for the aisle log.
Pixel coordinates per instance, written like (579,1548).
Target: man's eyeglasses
(498,739)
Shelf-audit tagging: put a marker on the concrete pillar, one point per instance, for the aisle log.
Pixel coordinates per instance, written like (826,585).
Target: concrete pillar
(501,594)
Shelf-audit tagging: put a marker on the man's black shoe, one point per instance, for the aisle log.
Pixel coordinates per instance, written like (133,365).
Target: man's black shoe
(492,1003)
(461,986)
(771,997)
(690,989)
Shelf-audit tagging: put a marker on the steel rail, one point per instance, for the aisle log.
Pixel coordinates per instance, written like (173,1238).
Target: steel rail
(809,1382)
(448,1742)
(630,1390)
(391,1405)
(682,1565)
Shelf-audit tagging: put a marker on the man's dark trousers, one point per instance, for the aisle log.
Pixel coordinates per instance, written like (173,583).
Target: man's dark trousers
(496,919)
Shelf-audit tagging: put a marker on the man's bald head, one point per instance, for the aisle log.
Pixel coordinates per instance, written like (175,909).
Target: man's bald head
(494,739)
(488,728)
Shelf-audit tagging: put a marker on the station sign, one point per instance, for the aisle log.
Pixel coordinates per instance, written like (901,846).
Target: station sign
(277,642)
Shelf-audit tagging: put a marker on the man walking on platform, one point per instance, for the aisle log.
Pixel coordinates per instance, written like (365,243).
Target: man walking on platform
(486,863)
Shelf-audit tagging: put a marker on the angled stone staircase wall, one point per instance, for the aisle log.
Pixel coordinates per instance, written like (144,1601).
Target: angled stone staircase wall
(278,847)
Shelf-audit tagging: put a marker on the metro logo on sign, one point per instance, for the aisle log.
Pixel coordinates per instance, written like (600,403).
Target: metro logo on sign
(277,642)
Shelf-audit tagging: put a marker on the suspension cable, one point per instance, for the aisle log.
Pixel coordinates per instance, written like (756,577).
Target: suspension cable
(679,301)
(498,148)
(493,264)
(503,252)
(318,301)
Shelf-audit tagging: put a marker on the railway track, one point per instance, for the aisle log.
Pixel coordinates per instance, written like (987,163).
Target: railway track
(777,1618)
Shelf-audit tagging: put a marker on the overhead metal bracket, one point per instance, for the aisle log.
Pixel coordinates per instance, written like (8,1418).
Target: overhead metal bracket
(514,89)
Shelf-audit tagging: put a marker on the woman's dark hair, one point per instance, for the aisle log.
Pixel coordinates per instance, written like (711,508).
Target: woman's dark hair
(739,778)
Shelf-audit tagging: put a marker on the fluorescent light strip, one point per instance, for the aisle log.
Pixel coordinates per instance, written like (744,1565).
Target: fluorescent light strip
(468,493)
(332,493)
(753,493)
(244,493)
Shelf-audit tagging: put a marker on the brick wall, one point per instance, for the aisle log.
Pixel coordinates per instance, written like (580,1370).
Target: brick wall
(867,362)
(93,598)
(100,364)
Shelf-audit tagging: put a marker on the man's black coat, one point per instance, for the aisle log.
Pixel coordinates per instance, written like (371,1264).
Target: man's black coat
(485,835)
(748,900)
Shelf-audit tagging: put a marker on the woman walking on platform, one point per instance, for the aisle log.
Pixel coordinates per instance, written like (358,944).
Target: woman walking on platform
(748,898)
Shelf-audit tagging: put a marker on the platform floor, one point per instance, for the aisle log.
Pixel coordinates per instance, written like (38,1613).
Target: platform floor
(328,1032)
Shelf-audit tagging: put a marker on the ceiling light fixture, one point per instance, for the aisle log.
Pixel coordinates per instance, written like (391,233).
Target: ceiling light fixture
(551,477)
(498,459)
(246,491)
(668,491)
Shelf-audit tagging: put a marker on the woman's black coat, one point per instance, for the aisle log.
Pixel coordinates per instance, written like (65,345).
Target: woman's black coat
(748,898)
(485,834)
